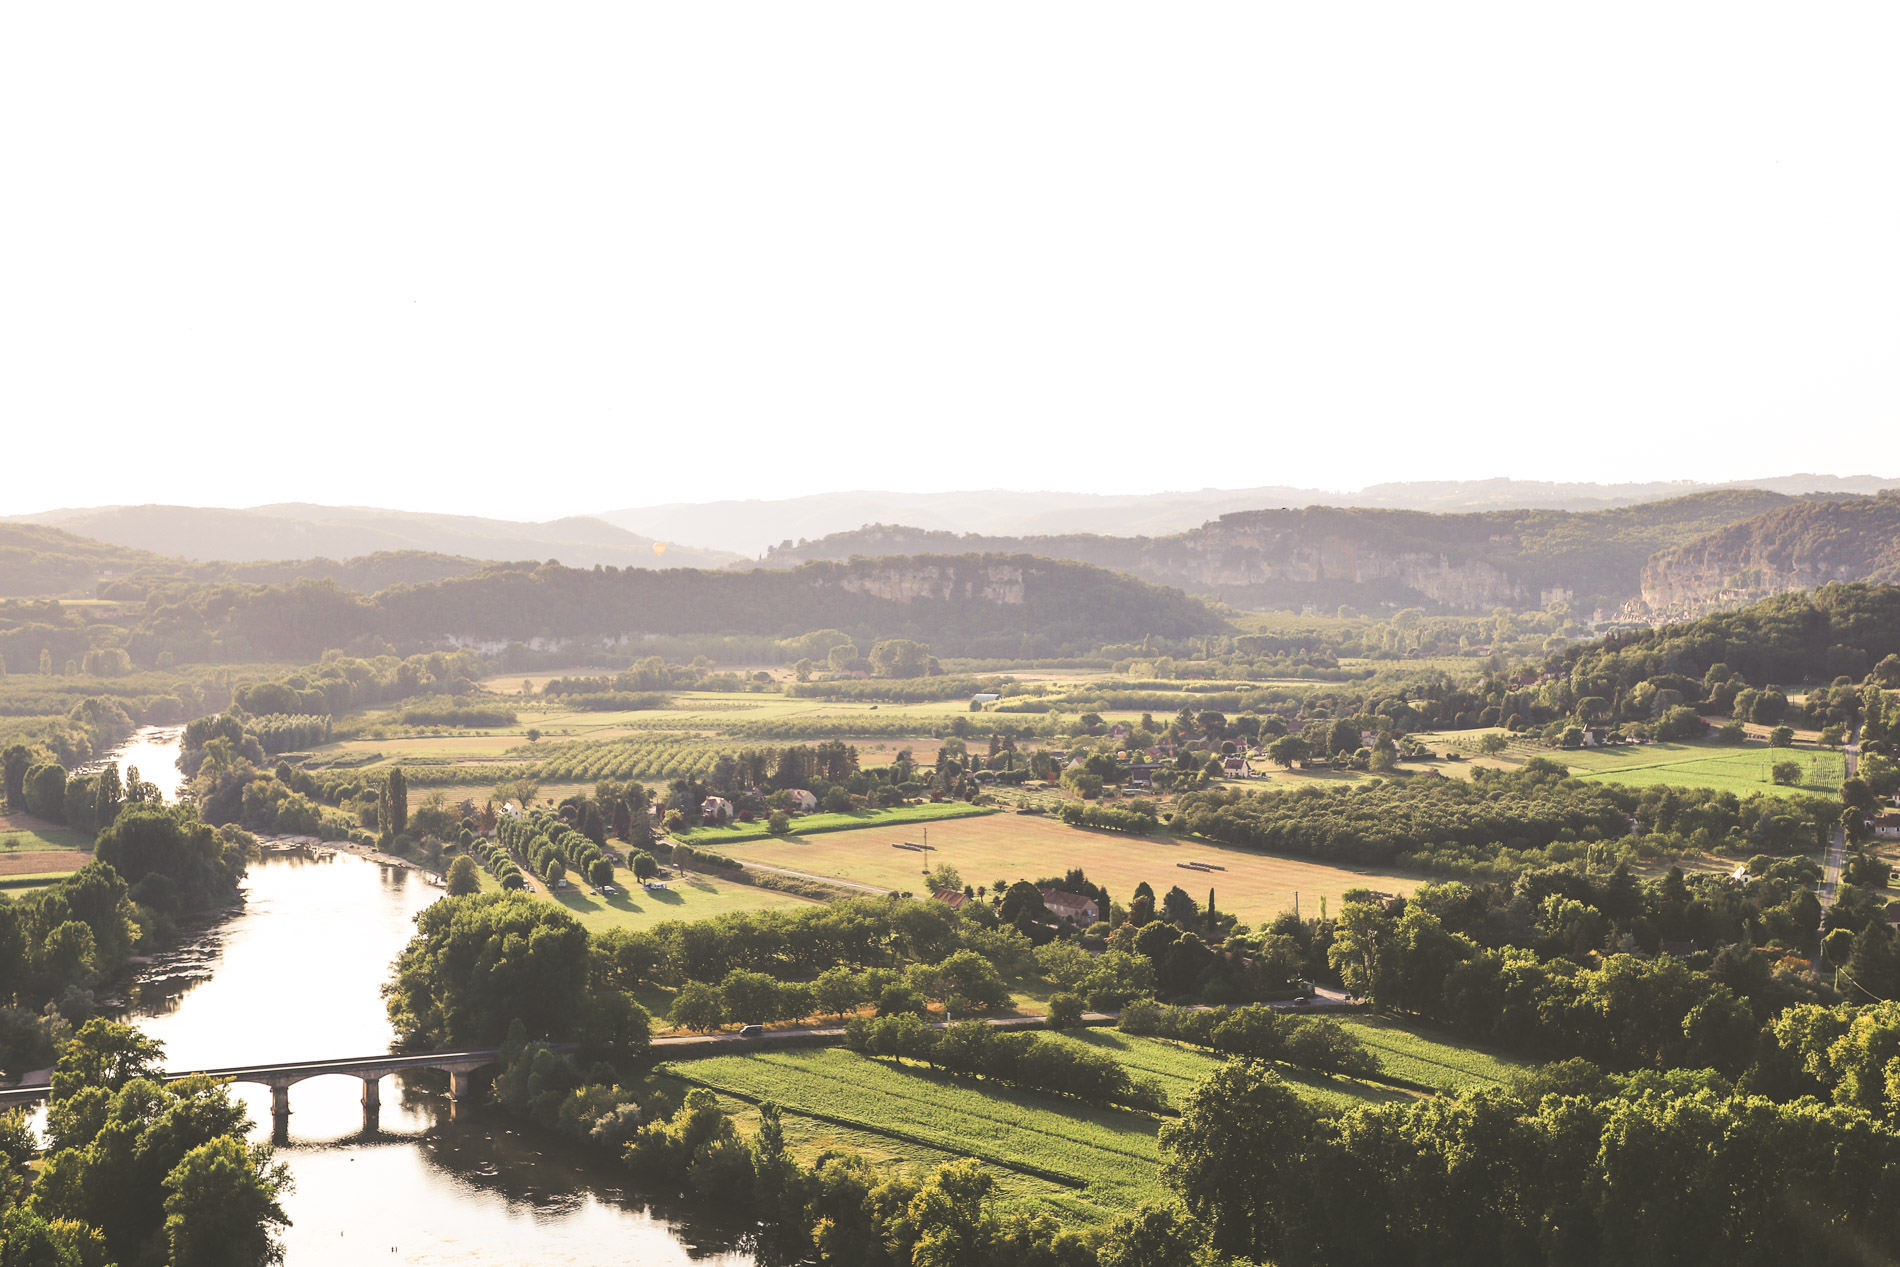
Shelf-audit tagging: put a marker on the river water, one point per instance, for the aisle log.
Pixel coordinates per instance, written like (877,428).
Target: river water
(294,976)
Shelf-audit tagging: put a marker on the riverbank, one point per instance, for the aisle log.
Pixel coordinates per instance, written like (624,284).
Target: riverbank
(312,844)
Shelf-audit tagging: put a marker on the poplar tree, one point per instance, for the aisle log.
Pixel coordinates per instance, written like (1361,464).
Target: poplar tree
(396,794)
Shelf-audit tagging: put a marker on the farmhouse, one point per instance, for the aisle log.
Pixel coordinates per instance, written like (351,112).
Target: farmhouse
(1070,906)
(951,898)
(1236,767)
(715,809)
(1887,825)
(802,801)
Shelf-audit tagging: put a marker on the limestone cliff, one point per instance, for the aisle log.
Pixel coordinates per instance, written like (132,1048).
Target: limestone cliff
(1796,547)
(1325,556)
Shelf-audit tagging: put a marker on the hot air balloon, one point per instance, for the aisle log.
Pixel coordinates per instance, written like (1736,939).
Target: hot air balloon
(659,547)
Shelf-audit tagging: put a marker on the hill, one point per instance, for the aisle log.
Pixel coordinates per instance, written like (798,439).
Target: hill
(1812,636)
(299,531)
(1795,547)
(1327,556)
(36,560)
(751,527)
(961,605)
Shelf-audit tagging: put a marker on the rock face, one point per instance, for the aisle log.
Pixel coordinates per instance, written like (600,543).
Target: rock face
(1274,549)
(1796,547)
(1324,556)
(998,583)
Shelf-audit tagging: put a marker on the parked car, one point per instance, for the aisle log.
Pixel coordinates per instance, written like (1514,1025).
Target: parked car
(751,1031)
(1299,999)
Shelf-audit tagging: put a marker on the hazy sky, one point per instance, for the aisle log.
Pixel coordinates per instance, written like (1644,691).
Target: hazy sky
(529,260)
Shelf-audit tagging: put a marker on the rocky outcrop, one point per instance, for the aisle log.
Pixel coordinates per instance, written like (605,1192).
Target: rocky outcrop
(1291,547)
(1797,547)
(999,583)
(1323,556)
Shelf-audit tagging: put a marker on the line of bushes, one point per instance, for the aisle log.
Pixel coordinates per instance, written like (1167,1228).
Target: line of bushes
(1260,1033)
(1033,1061)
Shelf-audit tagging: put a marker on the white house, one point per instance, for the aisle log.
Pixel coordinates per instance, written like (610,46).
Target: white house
(802,801)
(715,809)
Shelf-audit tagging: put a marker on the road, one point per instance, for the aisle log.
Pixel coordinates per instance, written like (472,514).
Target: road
(1837,841)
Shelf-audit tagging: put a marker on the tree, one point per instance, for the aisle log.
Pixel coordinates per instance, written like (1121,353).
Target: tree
(842,658)
(838,991)
(477,963)
(1286,750)
(1492,744)
(779,822)
(698,1007)
(1179,908)
(1786,773)
(1244,1193)
(221,1207)
(1781,737)
(108,796)
(1153,1236)
(395,820)
(464,878)
(1065,1012)
(45,789)
(15,761)
(899,658)
(105,1054)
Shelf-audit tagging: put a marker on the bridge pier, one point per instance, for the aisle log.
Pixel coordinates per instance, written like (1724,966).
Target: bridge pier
(280,1100)
(458,1085)
(372,1093)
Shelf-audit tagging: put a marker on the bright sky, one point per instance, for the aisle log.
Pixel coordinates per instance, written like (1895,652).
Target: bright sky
(529,260)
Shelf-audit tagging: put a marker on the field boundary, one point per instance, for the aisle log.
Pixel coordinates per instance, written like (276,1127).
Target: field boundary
(694,838)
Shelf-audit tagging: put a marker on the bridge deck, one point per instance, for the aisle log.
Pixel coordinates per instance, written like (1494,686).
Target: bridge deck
(297,1071)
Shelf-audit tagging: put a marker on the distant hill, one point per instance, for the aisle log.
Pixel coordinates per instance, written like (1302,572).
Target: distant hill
(36,561)
(988,604)
(1794,547)
(1363,556)
(295,531)
(751,527)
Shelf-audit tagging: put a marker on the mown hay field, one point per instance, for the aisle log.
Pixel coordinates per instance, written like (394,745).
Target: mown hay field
(1009,847)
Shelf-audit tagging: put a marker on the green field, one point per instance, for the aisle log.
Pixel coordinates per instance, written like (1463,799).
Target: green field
(713,838)
(1179,1067)
(1084,1163)
(1741,770)
(1409,1052)
(17,837)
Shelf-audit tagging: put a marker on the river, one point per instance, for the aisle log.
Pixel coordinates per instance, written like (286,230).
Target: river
(294,976)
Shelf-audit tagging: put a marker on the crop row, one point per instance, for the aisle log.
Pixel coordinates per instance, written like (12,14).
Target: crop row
(1110,1152)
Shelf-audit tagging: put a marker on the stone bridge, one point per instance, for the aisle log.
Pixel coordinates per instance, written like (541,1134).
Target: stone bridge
(280,1078)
